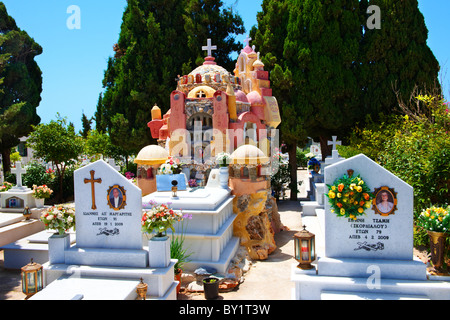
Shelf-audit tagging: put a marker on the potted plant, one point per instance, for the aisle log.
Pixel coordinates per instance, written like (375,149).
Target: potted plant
(157,220)
(40,193)
(178,252)
(436,221)
(60,219)
(211,288)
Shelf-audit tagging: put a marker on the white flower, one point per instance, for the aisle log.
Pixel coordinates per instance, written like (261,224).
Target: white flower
(69,219)
(50,217)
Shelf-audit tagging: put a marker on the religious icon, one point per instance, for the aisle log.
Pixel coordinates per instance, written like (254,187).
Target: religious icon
(116,197)
(385,201)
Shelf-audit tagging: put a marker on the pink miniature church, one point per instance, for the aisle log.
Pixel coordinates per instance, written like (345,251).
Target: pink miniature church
(213,110)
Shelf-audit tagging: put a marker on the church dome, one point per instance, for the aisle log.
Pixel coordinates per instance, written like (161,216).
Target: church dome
(248,154)
(152,154)
(210,69)
(240,96)
(255,99)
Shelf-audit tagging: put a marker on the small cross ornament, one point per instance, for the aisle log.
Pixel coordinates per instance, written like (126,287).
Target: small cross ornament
(209,47)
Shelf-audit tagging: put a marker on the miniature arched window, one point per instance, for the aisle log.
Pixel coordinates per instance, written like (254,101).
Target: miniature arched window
(201,94)
(248,85)
(250,132)
(150,175)
(245,173)
(241,64)
(202,117)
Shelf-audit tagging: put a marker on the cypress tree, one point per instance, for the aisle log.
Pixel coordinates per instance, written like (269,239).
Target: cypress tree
(20,85)
(396,57)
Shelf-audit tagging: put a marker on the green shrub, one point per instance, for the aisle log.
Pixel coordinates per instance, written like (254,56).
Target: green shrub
(37,174)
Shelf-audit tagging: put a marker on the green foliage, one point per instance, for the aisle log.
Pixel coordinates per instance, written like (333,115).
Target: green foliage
(57,142)
(15,156)
(396,58)
(38,175)
(20,83)
(416,149)
(302,159)
(97,144)
(281,178)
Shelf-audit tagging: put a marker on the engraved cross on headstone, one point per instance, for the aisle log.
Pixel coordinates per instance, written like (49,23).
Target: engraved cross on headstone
(334,143)
(18,171)
(209,47)
(92,181)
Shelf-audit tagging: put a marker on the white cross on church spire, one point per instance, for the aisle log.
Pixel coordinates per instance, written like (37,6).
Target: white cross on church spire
(209,47)
(247,40)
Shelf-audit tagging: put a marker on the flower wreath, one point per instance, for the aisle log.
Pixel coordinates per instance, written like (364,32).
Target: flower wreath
(349,196)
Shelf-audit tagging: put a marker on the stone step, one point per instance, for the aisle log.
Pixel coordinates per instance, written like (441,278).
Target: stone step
(18,230)
(351,296)
(309,207)
(7,219)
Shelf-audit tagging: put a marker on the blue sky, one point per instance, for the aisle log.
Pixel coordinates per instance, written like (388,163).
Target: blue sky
(74,60)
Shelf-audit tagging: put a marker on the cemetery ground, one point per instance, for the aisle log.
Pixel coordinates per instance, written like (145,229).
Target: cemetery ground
(266,280)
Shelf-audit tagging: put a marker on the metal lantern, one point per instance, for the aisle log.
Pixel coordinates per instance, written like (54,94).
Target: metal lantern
(27,213)
(141,290)
(174,188)
(32,280)
(304,248)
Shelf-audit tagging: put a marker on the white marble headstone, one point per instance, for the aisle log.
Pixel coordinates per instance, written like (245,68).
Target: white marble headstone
(373,235)
(101,220)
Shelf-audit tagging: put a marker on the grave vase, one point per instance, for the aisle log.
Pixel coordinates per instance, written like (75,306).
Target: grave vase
(159,252)
(223,177)
(437,246)
(57,245)
(39,203)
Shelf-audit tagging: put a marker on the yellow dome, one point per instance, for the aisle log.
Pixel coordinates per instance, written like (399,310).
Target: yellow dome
(248,154)
(151,155)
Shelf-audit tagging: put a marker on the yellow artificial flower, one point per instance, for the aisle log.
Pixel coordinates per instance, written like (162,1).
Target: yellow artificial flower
(342,211)
(358,188)
(333,188)
(331,194)
(360,210)
(339,195)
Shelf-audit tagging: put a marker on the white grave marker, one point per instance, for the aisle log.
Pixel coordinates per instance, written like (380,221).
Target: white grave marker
(377,234)
(108,208)
(18,171)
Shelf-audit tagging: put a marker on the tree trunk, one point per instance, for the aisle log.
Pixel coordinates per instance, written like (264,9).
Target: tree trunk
(324,147)
(6,161)
(292,151)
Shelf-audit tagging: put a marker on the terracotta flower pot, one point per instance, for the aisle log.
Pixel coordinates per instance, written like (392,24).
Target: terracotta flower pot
(437,246)
(178,278)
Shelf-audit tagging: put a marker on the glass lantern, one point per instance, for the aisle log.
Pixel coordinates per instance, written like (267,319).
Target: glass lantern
(32,279)
(304,248)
